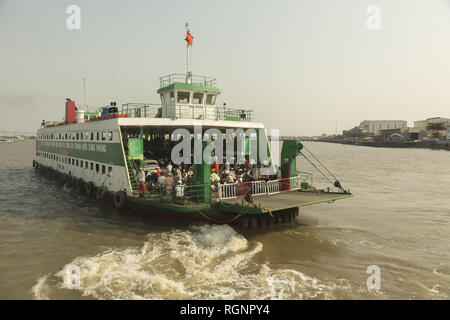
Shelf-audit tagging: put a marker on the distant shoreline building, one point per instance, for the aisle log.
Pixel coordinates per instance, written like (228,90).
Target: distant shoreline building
(376,126)
(423,124)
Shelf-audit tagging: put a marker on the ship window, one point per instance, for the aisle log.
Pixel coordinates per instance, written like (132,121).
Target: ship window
(211,99)
(162,99)
(103,136)
(78,136)
(98,137)
(183,97)
(92,166)
(172,97)
(66,136)
(86,136)
(198,98)
(73,136)
(92,136)
(81,136)
(97,167)
(110,136)
(81,164)
(73,161)
(103,169)
(77,163)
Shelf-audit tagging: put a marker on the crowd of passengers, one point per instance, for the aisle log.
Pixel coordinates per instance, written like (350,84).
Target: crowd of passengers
(171,180)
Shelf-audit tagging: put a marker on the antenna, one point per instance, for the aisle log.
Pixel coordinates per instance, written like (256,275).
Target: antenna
(84,94)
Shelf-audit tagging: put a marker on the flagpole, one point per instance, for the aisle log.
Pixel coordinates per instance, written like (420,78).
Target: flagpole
(188,58)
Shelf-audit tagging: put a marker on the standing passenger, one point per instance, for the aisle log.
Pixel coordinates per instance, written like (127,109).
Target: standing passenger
(168,186)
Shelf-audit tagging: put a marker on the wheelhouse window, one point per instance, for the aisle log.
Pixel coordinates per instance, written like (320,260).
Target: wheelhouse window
(183,97)
(198,98)
(103,169)
(97,167)
(103,136)
(211,99)
(172,97)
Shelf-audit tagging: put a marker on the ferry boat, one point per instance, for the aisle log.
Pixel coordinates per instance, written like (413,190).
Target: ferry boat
(99,152)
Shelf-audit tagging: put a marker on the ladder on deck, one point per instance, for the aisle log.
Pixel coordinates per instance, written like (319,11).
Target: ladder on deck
(132,172)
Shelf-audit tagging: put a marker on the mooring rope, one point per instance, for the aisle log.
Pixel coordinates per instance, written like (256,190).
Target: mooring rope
(240,214)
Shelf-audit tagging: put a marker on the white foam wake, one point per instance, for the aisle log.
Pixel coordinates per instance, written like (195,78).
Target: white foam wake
(206,262)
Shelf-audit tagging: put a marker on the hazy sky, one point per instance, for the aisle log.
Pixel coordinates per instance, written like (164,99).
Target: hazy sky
(301,65)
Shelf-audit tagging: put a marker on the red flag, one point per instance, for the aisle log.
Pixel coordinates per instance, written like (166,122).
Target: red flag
(189,38)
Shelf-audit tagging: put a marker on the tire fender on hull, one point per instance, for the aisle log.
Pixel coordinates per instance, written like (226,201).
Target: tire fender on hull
(89,188)
(119,199)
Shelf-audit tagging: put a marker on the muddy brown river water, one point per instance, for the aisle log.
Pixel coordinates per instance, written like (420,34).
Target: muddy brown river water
(398,220)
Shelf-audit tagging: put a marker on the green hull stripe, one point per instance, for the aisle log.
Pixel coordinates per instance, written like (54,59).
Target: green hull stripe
(109,153)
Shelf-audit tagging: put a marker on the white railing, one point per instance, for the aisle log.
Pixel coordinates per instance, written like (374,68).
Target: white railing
(259,188)
(295,183)
(273,187)
(237,190)
(227,191)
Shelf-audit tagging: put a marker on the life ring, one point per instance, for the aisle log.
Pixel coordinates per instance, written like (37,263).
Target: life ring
(89,188)
(138,112)
(141,187)
(119,199)
(101,193)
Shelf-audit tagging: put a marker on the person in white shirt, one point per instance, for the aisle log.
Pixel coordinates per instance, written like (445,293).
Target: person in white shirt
(141,175)
(179,192)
